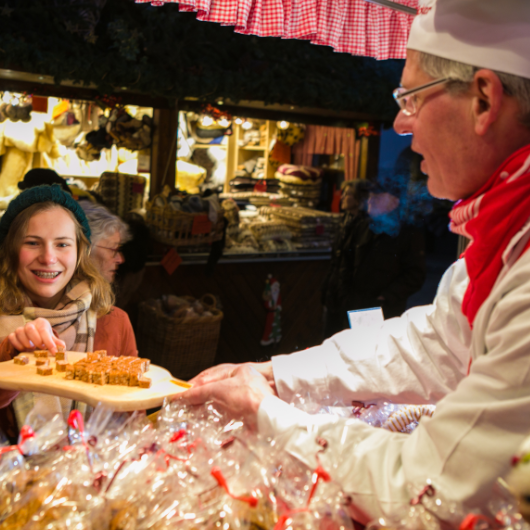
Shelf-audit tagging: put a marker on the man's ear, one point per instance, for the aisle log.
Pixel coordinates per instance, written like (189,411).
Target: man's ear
(487,93)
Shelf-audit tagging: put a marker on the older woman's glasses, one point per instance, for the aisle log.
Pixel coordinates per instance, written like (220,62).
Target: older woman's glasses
(407,99)
(115,251)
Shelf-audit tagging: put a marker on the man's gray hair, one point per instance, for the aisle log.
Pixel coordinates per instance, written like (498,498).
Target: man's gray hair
(462,74)
(103,223)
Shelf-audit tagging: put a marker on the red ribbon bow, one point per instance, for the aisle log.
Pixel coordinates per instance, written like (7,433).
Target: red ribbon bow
(25,434)
(217,474)
(319,473)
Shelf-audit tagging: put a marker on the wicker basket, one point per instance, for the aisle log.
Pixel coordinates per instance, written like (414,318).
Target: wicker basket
(174,227)
(186,348)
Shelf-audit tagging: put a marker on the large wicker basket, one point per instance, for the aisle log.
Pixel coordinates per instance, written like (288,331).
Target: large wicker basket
(185,349)
(175,228)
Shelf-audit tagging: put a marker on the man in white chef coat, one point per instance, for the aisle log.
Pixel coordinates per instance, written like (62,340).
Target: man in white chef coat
(465,98)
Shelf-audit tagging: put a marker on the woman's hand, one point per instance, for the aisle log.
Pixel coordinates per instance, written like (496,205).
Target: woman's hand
(37,334)
(238,389)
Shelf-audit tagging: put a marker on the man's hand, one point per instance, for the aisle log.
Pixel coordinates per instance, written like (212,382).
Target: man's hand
(34,335)
(238,389)
(225,371)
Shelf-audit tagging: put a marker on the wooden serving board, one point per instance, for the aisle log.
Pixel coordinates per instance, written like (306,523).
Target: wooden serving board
(120,398)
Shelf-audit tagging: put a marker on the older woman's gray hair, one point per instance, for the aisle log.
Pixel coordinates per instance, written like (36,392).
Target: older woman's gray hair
(103,223)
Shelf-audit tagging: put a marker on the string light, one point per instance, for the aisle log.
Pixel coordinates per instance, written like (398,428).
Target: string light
(283,124)
(238,121)
(223,122)
(207,121)
(247,125)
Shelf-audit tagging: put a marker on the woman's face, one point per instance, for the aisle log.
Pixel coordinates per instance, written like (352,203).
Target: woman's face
(48,256)
(106,255)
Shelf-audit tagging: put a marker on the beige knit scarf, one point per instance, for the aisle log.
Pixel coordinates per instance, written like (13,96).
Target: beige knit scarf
(72,319)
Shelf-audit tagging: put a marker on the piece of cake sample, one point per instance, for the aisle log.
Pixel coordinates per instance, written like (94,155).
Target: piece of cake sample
(144,382)
(80,369)
(41,353)
(60,366)
(60,356)
(21,359)
(99,377)
(70,371)
(147,363)
(114,375)
(134,376)
(42,362)
(44,370)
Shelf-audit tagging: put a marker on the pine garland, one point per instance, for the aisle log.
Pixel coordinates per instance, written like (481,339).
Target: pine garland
(159,51)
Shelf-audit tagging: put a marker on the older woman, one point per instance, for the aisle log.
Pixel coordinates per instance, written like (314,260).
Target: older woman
(51,294)
(109,233)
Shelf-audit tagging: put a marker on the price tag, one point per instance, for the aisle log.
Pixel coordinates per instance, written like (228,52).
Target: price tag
(39,103)
(201,225)
(360,318)
(171,261)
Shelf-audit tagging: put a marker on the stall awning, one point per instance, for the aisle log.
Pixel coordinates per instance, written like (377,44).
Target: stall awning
(372,28)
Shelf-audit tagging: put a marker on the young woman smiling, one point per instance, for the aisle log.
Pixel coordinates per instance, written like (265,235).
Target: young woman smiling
(51,294)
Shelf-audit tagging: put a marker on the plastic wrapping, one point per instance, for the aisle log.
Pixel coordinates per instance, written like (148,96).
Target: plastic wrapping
(391,416)
(198,469)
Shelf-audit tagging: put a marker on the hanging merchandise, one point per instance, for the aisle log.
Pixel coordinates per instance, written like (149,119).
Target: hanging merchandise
(287,134)
(15,108)
(23,145)
(273,303)
(210,127)
(119,128)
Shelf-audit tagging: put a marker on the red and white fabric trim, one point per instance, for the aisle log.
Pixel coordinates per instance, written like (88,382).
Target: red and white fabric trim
(349,26)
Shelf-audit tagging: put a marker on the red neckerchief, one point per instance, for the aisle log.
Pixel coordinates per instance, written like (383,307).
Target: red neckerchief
(490,219)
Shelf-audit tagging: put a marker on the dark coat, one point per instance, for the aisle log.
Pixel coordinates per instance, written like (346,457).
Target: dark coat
(367,267)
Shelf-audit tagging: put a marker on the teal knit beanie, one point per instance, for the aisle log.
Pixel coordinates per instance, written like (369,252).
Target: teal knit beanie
(44,193)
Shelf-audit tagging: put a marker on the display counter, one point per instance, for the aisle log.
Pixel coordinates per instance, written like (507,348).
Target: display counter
(238,280)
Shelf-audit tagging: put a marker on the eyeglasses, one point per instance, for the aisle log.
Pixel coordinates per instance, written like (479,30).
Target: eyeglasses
(115,251)
(406,99)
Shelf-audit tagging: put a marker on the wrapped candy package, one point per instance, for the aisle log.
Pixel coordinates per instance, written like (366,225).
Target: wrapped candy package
(195,469)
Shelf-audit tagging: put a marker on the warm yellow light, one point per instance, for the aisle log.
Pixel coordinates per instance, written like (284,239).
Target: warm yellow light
(207,121)
(283,124)
(247,125)
(238,121)
(224,122)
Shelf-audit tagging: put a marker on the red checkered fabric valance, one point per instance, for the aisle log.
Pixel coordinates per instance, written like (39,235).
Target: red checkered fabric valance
(350,26)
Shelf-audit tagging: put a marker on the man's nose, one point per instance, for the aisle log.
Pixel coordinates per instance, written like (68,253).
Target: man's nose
(119,257)
(403,123)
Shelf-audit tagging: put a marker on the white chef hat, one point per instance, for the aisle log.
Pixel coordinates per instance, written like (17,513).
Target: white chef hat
(493,34)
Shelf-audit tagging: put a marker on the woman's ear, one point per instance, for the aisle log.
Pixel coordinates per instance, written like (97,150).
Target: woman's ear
(487,95)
